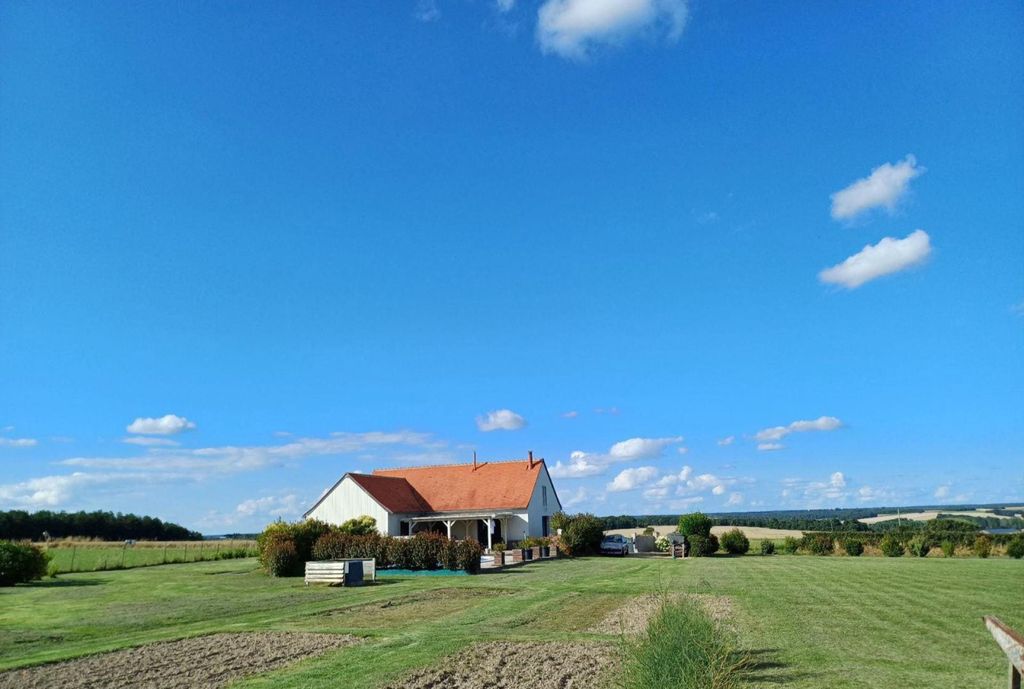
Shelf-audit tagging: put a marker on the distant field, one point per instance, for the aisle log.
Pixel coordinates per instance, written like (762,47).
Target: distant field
(91,556)
(753,532)
(809,622)
(928,516)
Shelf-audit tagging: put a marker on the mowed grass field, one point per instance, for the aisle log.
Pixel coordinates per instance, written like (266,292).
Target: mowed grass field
(89,556)
(807,621)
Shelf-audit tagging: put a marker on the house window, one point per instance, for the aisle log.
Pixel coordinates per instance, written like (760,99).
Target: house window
(403,528)
(544,498)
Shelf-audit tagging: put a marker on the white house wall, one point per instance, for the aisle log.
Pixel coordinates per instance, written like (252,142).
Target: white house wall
(348,501)
(537,509)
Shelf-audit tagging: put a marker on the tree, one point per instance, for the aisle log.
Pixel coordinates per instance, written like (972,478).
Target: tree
(695,524)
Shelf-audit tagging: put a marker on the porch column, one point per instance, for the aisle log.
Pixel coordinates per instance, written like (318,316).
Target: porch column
(448,524)
(490,528)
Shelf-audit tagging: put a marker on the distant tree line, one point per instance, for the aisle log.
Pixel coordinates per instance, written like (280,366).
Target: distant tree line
(108,526)
(834,520)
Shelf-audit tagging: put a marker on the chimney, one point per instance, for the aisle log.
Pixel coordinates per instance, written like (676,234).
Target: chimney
(474,460)
(529,462)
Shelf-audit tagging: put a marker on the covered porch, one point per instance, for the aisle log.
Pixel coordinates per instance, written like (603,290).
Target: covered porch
(487,528)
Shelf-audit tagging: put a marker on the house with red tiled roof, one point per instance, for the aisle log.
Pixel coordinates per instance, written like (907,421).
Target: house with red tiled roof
(492,502)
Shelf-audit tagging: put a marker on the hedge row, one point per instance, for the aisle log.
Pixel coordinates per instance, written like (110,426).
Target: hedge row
(896,544)
(422,551)
(285,548)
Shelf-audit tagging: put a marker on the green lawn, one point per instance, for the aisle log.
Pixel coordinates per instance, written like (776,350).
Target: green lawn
(90,557)
(808,621)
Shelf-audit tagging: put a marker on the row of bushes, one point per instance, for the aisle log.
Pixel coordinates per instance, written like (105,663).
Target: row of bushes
(285,548)
(21,563)
(893,545)
(696,529)
(423,551)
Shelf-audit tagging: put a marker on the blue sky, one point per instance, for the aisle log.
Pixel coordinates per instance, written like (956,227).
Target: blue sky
(247,248)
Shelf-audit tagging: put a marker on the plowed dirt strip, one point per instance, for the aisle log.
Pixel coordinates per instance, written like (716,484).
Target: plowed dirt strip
(519,665)
(204,662)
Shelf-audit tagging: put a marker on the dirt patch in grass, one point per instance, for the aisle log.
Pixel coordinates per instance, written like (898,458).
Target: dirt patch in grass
(520,665)
(632,618)
(204,662)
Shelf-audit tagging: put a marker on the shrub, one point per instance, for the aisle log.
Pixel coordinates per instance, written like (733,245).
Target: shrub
(701,546)
(559,520)
(467,556)
(1015,548)
(818,543)
(303,536)
(21,563)
(983,546)
(854,547)
(649,531)
(735,542)
(279,556)
(790,545)
(581,535)
(919,546)
(662,545)
(767,547)
(891,546)
(695,524)
(332,546)
(948,548)
(359,526)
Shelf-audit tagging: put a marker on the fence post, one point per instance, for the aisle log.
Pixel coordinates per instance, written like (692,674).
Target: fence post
(1012,644)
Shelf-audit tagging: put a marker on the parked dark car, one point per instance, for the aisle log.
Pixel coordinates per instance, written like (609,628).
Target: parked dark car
(615,545)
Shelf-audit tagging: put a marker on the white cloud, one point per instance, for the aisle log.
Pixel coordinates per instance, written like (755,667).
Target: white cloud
(160,465)
(505,5)
(612,411)
(7,429)
(427,10)
(581,464)
(574,498)
(500,420)
(631,479)
(883,188)
(271,506)
(818,493)
(169,424)
(18,442)
(942,492)
(149,441)
(682,450)
(641,448)
(889,256)
(571,28)
(728,440)
(872,494)
(767,436)
(734,499)
(770,447)
(570,414)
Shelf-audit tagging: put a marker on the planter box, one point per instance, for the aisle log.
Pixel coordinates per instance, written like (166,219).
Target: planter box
(554,551)
(514,555)
(499,558)
(545,551)
(536,552)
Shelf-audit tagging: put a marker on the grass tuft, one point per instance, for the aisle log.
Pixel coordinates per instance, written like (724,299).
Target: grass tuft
(684,648)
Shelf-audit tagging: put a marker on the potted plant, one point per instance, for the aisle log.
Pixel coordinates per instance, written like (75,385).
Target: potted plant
(545,547)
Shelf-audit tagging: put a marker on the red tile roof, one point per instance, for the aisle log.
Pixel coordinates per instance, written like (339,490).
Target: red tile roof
(455,487)
(394,494)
